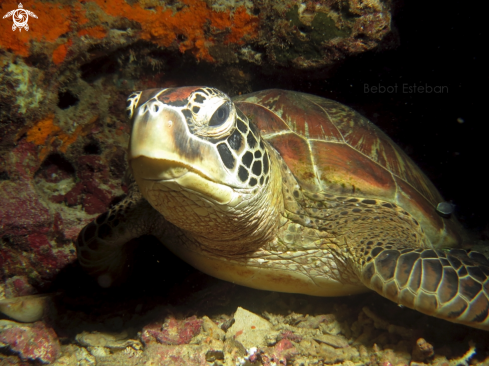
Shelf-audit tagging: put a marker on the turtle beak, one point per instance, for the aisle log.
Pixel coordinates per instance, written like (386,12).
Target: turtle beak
(162,149)
(154,136)
(153,151)
(161,146)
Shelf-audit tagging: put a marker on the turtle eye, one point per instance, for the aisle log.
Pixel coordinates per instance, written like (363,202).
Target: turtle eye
(220,115)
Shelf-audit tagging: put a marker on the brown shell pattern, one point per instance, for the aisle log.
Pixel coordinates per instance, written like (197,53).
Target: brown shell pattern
(331,148)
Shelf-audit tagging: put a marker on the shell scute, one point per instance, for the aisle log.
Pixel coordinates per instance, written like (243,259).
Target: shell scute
(298,113)
(294,149)
(343,170)
(266,122)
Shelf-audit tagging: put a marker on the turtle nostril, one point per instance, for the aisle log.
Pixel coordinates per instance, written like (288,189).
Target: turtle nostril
(156,108)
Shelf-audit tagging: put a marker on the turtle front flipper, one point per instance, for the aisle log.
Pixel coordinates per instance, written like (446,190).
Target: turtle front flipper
(449,285)
(103,246)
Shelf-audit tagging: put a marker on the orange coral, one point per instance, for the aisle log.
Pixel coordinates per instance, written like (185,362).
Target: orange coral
(163,27)
(42,130)
(159,25)
(45,132)
(60,52)
(243,26)
(52,21)
(82,130)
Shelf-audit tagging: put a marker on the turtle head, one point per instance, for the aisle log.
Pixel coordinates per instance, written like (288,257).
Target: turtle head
(193,153)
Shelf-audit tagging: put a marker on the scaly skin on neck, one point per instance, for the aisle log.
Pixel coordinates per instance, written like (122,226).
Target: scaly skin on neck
(237,228)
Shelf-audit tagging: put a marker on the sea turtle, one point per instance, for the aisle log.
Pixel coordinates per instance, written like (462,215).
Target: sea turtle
(290,192)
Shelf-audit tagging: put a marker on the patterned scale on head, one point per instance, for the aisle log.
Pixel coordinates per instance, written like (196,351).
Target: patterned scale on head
(289,192)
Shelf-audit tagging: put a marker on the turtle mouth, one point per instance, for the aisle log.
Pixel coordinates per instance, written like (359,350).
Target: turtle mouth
(161,170)
(166,171)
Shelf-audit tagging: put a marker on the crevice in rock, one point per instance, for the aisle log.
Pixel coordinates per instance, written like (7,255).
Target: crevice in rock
(92,148)
(55,168)
(67,99)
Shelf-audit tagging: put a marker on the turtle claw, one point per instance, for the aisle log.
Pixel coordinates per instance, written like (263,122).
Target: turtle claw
(26,309)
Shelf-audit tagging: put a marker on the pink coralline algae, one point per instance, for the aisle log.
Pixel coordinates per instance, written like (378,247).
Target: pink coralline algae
(21,209)
(92,173)
(290,336)
(158,354)
(277,355)
(173,331)
(36,342)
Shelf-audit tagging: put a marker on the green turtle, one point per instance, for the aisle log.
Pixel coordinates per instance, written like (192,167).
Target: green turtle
(290,192)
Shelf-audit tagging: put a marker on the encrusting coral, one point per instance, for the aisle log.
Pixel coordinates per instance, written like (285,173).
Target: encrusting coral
(160,25)
(46,132)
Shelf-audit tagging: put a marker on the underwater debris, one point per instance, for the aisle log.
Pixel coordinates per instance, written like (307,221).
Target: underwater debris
(159,354)
(211,329)
(114,341)
(278,354)
(422,351)
(250,329)
(201,340)
(172,332)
